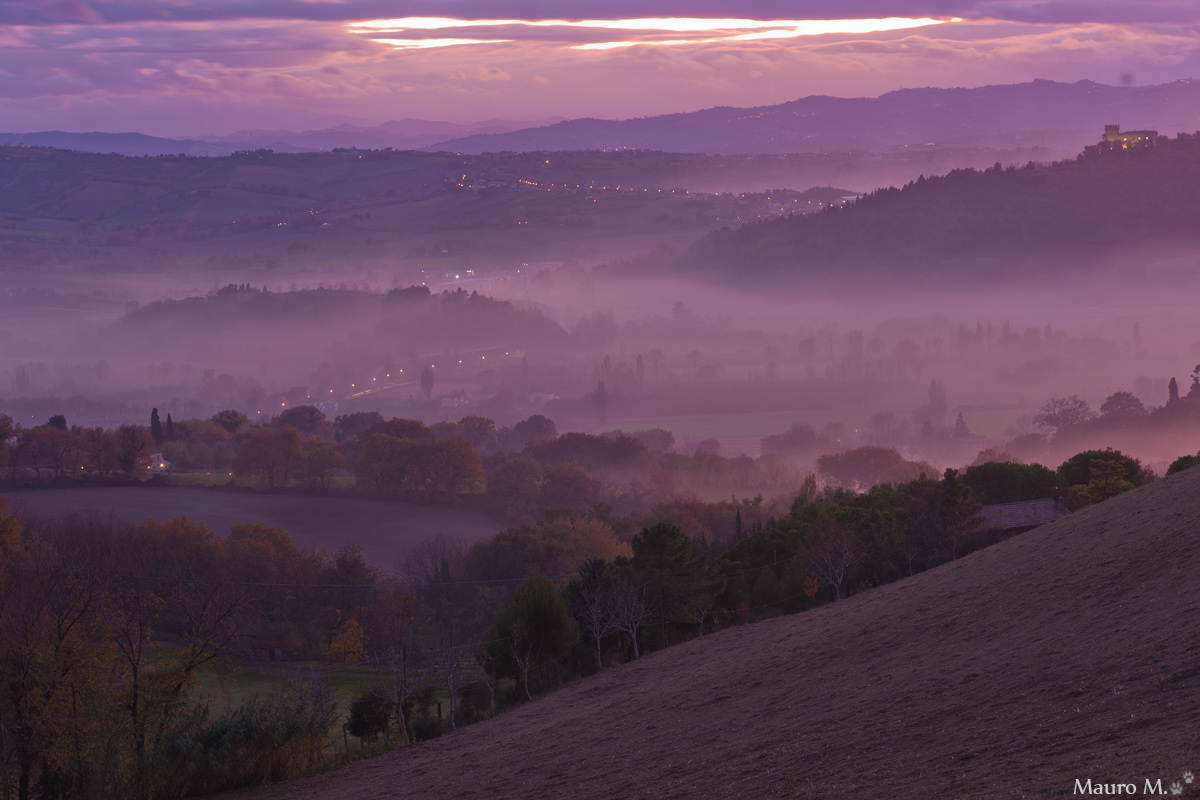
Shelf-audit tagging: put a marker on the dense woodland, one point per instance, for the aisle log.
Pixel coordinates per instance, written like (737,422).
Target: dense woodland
(1103,197)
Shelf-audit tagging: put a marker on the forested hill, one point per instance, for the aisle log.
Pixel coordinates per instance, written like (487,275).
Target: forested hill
(938,225)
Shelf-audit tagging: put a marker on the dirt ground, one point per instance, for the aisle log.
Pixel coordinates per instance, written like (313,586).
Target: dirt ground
(1071,652)
(383,529)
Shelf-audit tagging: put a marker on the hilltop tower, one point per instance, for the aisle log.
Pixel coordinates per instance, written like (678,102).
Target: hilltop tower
(1113,138)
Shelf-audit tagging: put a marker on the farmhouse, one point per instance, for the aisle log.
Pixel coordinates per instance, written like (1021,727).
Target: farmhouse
(1012,518)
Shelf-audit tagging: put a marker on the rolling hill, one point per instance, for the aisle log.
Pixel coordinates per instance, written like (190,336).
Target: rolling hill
(1067,653)
(972,224)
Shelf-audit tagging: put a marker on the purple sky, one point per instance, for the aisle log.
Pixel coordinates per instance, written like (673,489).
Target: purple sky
(180,67)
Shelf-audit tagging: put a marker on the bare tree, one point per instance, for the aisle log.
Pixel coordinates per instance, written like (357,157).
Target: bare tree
(829,551)
(451,668)
(595,598)
(631,611)
(488,675)
(396,633)
(521,649)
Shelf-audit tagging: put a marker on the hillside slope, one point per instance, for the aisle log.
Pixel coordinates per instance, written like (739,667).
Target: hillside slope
(959,224)
(1070,652)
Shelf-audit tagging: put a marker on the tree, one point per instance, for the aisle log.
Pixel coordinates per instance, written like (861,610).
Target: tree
(594,600)
(600,401)
(384,464)
(1108,480)
(550,547)
(258,455)
(8,430)
(369,715)
(1182,463)
(998,482)
(133,442)
(231,420)
(50,617)
(961,431)
(479,431)
(868,466)
(532,632)
(101,451)
(58,421)
(567,485)
(291,453)
(1122,408)
(1060,413)
(321,460)
(1172,391)
(427,381)
(535,430)
(306,419)
(170,429)
(156,428)
(1077,470)
(667,563)
(349,426)
(514,488)
(632,610)
(399,620)
(829,548)
(349,644)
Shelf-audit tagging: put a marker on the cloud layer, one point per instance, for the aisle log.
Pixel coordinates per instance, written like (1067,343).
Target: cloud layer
(198,66)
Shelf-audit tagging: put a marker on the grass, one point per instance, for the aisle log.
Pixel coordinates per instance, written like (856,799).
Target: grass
(229,683)
(201,478)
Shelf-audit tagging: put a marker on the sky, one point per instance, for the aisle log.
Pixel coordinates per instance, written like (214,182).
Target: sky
(205,67)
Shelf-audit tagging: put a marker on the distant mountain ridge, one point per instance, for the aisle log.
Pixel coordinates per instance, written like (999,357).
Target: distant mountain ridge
(398,134)
(1061,117)
(1038,113)
(401,134)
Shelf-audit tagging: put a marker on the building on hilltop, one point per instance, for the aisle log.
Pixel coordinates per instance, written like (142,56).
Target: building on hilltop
(1114,138)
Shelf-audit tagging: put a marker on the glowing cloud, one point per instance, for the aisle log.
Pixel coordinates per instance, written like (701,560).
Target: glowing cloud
(719,30)
(418,44)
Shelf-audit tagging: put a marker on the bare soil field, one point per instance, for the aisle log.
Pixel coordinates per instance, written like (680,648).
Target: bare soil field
(382,528)
(1071,652)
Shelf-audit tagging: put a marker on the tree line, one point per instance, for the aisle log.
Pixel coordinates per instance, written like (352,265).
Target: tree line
(514,472)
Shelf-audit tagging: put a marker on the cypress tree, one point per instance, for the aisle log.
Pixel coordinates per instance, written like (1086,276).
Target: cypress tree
(156,428)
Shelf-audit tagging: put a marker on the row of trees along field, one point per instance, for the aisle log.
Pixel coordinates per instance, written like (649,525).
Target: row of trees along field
(106,627)
(525,469)
(519,473)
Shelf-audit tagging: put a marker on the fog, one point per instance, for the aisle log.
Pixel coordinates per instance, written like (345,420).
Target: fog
(725,300)
(717,361)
